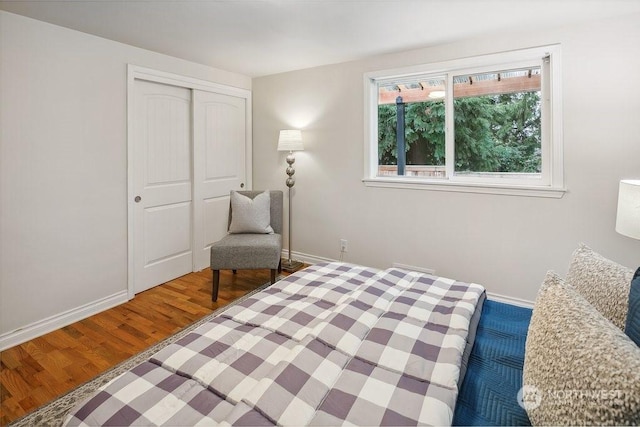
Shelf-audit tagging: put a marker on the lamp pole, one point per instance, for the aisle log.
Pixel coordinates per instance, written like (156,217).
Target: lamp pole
(290,140)
(290,265)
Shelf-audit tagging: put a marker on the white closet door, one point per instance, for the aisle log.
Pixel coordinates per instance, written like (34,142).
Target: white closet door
(219,123)
(162,182)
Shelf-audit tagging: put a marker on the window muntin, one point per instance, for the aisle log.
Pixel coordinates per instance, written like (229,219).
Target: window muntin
(442,148)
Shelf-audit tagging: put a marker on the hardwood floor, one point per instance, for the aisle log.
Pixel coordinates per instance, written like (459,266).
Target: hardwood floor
(40,370)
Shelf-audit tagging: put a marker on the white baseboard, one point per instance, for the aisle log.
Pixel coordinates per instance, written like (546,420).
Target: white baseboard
(414,268)
(510,300)
(41,327)
(306,258)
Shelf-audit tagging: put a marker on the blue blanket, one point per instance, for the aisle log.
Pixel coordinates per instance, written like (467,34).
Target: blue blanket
(488,395)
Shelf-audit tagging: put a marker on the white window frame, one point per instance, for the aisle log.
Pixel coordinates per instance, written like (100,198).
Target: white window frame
(551,183)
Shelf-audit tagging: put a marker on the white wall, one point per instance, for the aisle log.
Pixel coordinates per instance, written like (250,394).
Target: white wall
(503,242)
(63,167)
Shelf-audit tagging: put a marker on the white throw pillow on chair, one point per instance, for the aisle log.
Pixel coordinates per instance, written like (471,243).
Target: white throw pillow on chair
(250,215)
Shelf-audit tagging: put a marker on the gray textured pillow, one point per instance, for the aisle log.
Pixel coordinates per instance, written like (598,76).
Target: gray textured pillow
(603,283)
(250,215)
(581,369)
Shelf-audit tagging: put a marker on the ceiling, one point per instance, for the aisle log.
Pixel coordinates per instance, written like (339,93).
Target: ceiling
(262,37)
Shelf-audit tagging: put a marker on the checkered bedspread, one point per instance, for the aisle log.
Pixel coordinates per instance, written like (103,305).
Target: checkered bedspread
(332,344)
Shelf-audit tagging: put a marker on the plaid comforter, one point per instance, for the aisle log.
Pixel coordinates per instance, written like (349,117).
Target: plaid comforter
(332,344)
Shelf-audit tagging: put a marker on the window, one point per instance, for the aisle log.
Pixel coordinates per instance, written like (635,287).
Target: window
(488,124)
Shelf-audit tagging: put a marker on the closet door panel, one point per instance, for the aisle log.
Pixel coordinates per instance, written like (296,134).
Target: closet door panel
(220,137)
(162,183)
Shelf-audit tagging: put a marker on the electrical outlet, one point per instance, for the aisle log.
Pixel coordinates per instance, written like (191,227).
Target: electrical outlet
(344,245)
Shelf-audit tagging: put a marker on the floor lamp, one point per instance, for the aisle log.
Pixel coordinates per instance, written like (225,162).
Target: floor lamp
(290,140)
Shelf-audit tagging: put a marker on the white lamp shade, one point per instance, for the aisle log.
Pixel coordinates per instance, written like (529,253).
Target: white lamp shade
(290,140)
(628,220)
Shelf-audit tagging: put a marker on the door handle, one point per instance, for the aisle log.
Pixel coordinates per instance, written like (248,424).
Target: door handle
(242,185)
(137,199)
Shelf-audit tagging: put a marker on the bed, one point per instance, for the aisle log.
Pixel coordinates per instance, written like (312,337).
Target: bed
(333,344)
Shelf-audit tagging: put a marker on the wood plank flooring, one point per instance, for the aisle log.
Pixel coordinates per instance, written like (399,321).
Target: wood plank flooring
(40,370)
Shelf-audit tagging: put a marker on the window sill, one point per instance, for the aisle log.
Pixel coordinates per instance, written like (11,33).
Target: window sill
(459,187)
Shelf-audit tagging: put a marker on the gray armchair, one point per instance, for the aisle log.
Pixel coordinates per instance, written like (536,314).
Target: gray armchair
(250,251)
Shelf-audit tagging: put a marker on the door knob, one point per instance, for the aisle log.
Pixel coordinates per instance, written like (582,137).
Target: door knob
(137,199)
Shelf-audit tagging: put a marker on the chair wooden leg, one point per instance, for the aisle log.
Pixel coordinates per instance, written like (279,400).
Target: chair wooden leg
(216,285)
(273,276)
(280,266)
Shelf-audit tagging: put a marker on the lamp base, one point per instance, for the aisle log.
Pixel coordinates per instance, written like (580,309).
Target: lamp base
(291,266)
